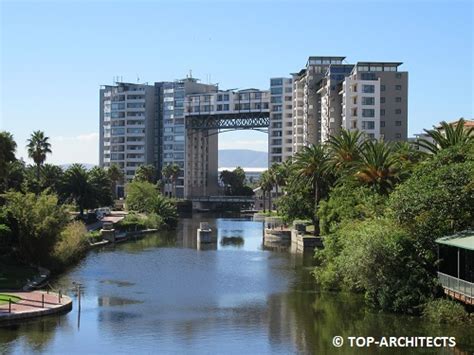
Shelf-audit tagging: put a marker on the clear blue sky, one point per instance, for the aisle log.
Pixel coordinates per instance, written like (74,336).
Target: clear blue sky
(55,55)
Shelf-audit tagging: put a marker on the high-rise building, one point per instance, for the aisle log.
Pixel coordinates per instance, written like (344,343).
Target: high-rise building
(126,126)
(375,100)
(307,100)
(280,131)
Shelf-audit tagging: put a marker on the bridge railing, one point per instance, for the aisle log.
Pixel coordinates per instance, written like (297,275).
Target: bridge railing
(457,285)
(222,198)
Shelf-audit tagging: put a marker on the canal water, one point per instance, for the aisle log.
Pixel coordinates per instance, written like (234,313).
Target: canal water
(165,294)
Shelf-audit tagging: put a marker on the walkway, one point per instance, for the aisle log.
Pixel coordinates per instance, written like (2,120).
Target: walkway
(32,305)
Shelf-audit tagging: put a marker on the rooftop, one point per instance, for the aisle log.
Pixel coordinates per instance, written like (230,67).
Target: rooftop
(463,240)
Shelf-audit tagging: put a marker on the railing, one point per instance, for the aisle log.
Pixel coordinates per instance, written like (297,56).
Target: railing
(457,285)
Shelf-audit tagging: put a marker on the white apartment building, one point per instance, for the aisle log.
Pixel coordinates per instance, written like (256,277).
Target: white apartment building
(126,126)
(280,131)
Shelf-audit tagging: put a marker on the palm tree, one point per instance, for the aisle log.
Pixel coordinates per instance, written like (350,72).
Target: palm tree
(115,176)
(346,148)
(175,171)
(279,174)
(378,167)
(447,136)
(76,187)
(145,173)
(166,173)
(38,146)
(266,184)
(312,167)
(51,176)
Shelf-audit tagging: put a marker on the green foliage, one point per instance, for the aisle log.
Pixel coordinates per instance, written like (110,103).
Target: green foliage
(38,147)
(135,222)
(377,257)
(448,136)
(100,181)
(349,202)
(297,203)
(445,311)
(71,245)
(143,197)
(234,182)
(37,221)
(439,198)
(7,156)
(145,173)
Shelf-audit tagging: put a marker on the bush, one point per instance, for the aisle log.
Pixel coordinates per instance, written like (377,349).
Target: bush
(133,222)
(143,197)
(377,257)
(445,311)
(72,244)
(36,223)
(349,202)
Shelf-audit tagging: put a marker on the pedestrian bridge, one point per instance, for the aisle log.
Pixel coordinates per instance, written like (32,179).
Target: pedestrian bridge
(223,199)
(219,203)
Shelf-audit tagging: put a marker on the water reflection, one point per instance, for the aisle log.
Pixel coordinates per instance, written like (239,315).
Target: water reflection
(162,294)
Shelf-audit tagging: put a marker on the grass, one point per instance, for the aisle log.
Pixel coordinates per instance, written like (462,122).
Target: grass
(4,298)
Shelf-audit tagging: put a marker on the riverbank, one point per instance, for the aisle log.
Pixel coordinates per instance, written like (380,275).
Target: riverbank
(26,305)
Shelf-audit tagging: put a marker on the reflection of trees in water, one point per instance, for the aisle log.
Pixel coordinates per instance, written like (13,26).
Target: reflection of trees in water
(36,334)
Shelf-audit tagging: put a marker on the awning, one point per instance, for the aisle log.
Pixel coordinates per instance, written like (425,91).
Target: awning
(463,240)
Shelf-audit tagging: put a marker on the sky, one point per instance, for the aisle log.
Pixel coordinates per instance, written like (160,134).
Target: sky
(54,55)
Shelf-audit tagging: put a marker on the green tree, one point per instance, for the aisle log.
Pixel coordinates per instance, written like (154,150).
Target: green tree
(115,176)
(51,177)
(345,149)
(145,173)
(37,222)
(313,169)
(143,197)
(38,147)
(171,173)
(7,156)
(77,187)
(100,182)
(266,184)
(378,167)
(448,135)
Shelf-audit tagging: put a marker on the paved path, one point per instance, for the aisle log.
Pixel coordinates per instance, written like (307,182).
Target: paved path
(31,305)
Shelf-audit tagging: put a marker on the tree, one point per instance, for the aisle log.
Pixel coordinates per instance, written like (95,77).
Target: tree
(100,182)
(378,167)
(266,184)
(7,156)
(51,177)
(312,168)
(448,135)
(76,187)
(115,176)
(234,182)
(38,147)
(143,197)
(279,175)
(345,149)
(145,173)
(171,173)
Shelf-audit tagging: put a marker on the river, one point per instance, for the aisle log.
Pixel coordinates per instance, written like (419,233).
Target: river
(163,294)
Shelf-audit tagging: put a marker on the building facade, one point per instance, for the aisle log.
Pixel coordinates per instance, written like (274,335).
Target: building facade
(126,126)
(280,131)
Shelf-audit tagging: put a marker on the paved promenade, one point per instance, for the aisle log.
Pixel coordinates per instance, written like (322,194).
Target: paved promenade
(32,305)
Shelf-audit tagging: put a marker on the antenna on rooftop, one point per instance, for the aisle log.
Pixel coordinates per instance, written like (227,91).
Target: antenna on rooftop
(138,79)
(190,73)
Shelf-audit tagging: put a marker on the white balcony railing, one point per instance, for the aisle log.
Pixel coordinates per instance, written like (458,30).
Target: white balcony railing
(457,285)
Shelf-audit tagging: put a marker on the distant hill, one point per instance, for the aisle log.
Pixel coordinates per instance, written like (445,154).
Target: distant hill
(244,158)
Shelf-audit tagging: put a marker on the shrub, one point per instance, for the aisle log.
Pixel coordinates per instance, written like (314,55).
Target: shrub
(132,222)
(71,245)
(445,311)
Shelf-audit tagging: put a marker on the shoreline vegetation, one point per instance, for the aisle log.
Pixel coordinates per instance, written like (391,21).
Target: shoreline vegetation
(379,207)
(39,224)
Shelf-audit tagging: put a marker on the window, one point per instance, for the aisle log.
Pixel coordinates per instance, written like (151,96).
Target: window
(276,116)
(219,108)
(276,90)
(398,123)
(398,87)
(398,111)
(276,100)
(398,135)
(398,99)
(398,76)
(219,98)
(382,123)
(368,112)
(382,87)
(276,82)
(368,100)
(382,100)
(226,107)
(288,90)
(368,88)
(368,125)
(368,76)
(382,112)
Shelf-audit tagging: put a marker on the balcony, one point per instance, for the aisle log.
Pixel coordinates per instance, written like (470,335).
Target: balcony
(457,288)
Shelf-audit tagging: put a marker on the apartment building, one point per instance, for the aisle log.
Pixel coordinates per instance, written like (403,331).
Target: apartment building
(307,100)
(202,145)
(126,126)
(176,145)
(280,131)
(375,100)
